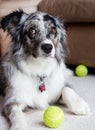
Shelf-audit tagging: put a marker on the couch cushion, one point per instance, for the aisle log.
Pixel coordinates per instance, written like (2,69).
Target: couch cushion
(70,10)
(81,44)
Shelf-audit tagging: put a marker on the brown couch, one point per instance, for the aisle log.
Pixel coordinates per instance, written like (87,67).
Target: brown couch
(80,18)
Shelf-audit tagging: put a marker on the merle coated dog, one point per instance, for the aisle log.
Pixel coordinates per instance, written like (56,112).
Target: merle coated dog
(33,70)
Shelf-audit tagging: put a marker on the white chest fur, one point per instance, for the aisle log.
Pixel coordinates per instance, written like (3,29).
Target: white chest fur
(25,86)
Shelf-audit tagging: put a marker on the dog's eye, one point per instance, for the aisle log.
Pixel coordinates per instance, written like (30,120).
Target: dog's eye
(32,31)
(53,30)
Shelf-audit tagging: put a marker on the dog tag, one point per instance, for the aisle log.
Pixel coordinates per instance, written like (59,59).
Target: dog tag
(42,88)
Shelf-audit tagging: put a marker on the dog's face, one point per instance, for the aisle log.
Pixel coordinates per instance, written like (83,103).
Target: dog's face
(37,34)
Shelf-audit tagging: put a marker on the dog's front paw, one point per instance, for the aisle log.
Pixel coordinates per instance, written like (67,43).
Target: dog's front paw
(80,107)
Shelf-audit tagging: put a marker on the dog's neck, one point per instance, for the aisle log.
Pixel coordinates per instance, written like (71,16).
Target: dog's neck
(40,70)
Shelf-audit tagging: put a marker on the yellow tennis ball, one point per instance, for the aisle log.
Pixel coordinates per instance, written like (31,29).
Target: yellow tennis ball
(53,117)
(81,70)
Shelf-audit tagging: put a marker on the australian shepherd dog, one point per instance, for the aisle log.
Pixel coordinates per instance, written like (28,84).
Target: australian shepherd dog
(33,71)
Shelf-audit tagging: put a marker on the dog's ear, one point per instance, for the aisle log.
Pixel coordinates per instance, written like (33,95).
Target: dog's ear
(12,20)
(61,49)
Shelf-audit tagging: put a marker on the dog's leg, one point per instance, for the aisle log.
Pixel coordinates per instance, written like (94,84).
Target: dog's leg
(15,114)
(75,103)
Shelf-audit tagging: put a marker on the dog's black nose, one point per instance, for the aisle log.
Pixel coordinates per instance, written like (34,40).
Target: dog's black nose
(47,48)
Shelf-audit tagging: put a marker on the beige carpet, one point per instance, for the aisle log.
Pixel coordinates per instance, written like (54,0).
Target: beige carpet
(85,87)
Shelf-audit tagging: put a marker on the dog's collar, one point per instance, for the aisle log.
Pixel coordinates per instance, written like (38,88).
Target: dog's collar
(41,81)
